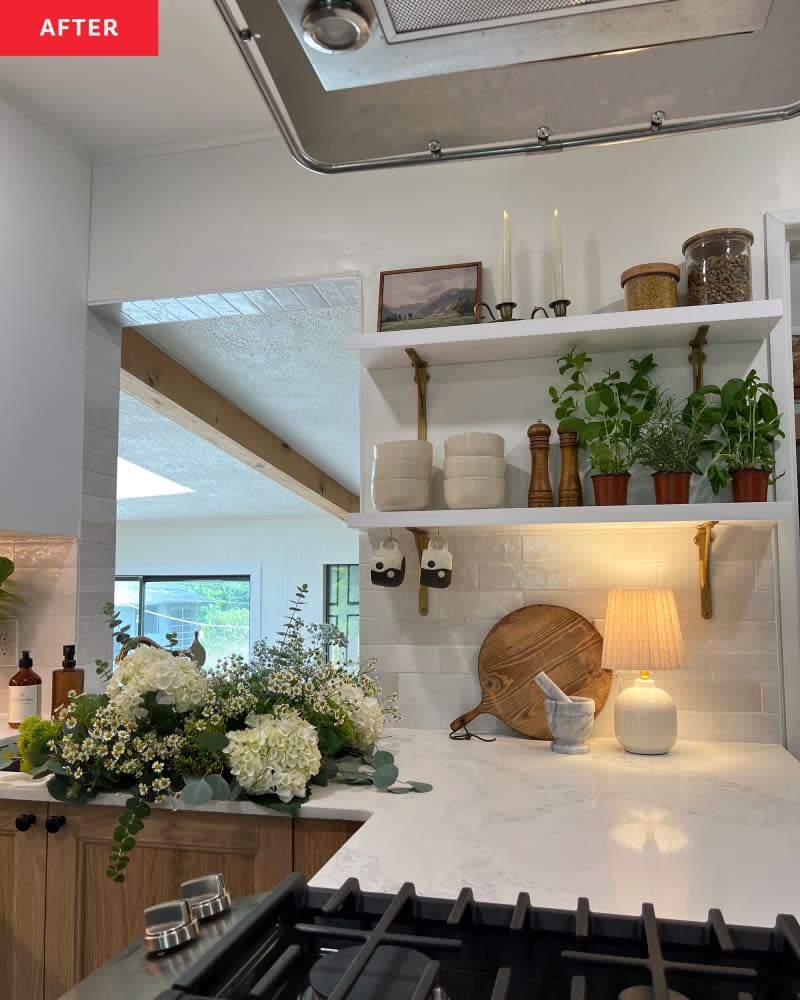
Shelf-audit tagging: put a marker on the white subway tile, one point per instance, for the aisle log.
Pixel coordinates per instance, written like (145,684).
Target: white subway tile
(402,659)
(695,725)
(56,554)
(521,576)
(96,556)
(420,631)
(465,575)
(746,727)
(31,582)
(488,547)
(590,604)
(567,546)
(459,659)
(463,689)
(771,698)
(600,576)
(767,635)
(491,604)
(98,533)
(765,575)
(653,545)
(395,602)
(739,543)
(735,606)
(419,715)
(709,634)
(711,696)
(745,666)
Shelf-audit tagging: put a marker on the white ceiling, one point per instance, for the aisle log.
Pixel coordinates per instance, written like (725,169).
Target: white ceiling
(288,370)
(197,92)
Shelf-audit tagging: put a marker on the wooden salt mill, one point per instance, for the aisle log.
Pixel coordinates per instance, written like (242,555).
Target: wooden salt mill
(569,486)
(540,493)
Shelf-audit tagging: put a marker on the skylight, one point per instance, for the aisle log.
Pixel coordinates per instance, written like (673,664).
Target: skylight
(133,482)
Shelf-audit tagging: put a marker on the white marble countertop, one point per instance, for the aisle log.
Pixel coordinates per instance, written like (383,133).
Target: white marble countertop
(709,825)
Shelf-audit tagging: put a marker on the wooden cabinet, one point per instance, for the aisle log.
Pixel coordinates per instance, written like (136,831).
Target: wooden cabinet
(61,917)
(22,900)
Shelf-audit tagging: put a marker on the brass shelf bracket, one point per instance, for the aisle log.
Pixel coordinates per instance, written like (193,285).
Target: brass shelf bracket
(703,540)
(698,357)
(421,377)
(421,537)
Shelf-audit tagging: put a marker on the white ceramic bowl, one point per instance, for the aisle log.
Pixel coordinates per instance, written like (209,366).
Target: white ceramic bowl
(405,451)
(394,468)
(474,465)
(400,494)
(474,443)
(470,492)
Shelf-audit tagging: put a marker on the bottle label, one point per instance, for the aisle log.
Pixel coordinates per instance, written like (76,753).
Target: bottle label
(23,701)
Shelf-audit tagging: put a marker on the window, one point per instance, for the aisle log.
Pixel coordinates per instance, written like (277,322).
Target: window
(341,606)
(216,606)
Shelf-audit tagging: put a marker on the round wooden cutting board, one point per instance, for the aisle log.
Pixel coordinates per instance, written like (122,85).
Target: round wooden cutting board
(537,637)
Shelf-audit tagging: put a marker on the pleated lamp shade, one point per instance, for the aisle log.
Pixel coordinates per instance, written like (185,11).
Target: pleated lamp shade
(643,633)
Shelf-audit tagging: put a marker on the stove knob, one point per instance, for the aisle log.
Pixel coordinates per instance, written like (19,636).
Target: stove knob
(206,896)
(169,925)
(24,821)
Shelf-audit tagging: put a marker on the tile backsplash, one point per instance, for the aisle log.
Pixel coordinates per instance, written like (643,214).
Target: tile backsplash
(730,691)
(45,575)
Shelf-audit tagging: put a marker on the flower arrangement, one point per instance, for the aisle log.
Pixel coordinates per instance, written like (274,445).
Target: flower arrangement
(266,730)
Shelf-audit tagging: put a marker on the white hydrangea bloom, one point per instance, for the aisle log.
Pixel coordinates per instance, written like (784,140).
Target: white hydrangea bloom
(276,753)
(364,713)
(175,680)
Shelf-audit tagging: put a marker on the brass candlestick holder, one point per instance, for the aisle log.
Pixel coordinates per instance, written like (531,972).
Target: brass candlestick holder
(559,307)
(506,310)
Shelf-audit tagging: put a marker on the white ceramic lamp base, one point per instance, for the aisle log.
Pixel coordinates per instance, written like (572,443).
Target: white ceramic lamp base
(645,720)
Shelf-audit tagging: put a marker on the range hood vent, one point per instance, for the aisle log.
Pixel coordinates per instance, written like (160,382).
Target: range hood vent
(456,79)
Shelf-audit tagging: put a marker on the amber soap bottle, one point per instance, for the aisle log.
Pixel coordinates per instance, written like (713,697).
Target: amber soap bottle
(66,679)
(24,692)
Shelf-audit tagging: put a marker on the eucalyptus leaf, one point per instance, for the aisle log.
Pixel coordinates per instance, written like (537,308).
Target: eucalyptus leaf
(400,790)
(420,786)
(55,766)
(219,786)
(197,792)
(211,741)
(385,776)
(382,758)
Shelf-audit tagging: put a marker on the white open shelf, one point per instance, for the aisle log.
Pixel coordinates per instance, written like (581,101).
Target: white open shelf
(520,517)
(651,328)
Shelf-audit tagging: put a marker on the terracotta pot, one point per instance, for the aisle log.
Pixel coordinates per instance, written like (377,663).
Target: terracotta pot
(611,489)
(749,484)
(672,487)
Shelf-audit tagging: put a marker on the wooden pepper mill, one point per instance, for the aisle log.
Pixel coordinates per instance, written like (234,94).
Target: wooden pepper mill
(569,486)
(540,493)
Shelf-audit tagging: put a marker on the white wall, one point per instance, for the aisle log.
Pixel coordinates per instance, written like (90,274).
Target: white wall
(282,553)
(44,207)
(241,216)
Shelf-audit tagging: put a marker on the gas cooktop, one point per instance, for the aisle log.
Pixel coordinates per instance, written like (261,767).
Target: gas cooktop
(304,943)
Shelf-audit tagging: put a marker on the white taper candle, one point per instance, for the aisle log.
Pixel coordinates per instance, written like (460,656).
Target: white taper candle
(506,257)
(558,260)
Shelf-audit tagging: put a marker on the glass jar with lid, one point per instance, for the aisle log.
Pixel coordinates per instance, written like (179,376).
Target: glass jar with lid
(718,266)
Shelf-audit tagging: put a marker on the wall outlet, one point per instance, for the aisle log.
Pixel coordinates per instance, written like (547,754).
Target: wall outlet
(8,642)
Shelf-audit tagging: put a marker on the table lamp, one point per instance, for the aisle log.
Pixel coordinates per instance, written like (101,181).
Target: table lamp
(643,633)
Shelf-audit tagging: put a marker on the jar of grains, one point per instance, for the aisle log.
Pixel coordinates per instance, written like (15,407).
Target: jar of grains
(718,266)
(650,286)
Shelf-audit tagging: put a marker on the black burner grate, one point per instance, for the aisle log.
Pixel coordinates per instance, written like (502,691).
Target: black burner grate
(485,951)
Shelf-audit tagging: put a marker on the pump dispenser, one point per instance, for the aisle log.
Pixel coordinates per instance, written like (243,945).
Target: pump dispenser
(66,679)
(24,692)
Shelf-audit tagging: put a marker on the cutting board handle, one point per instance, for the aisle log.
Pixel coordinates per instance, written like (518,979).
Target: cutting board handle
(462,720)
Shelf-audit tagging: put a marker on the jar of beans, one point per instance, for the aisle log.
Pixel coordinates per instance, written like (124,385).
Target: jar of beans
(650,286)
(718,266)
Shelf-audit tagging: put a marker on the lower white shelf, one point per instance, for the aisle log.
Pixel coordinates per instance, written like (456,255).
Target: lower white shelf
(770,512)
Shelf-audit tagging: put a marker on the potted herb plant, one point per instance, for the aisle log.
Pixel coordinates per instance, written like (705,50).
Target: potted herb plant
(6,569)
(671,443)
(606,413)
(746,419)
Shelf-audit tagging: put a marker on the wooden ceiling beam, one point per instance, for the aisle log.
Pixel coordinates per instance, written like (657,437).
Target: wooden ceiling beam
(159,381)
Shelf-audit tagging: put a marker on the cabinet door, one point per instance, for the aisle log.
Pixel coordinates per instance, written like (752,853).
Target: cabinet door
(22,901)
(317,840)
(90,918)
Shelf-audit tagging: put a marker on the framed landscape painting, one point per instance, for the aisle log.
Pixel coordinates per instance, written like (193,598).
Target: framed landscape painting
(429,296)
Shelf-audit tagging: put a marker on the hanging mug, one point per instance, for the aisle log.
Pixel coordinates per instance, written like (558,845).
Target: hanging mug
(436,564)
(387,567)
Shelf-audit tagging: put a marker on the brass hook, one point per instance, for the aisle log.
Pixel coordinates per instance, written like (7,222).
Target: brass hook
(698,357)
(421,377)
(703,540)
(421,537)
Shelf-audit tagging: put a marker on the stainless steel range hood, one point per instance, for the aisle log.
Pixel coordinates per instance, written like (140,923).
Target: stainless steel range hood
(455,79)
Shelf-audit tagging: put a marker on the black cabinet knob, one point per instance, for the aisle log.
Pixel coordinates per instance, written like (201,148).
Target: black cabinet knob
(54,823)
(24,821)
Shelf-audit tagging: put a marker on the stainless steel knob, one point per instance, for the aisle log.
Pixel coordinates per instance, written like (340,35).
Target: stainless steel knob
(207,896)
(24,821)
(54,823)
(169,925)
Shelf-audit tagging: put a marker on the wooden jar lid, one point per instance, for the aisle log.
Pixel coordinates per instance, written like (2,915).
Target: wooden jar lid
(668,270)
(719,234)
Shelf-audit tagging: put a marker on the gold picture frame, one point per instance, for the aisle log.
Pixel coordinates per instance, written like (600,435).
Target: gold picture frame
(421,297)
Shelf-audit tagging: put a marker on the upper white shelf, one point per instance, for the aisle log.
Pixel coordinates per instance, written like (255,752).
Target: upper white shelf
(520,517)
(537,338)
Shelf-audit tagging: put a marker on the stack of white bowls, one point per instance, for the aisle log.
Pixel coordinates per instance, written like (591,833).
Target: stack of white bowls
(401,475)
(474,471)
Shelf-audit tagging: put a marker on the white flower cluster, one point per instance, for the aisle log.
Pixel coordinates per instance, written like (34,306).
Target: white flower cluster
(276,753)
(363,712)
(176,681)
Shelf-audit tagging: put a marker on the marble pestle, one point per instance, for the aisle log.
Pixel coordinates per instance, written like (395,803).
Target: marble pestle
(550,688)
